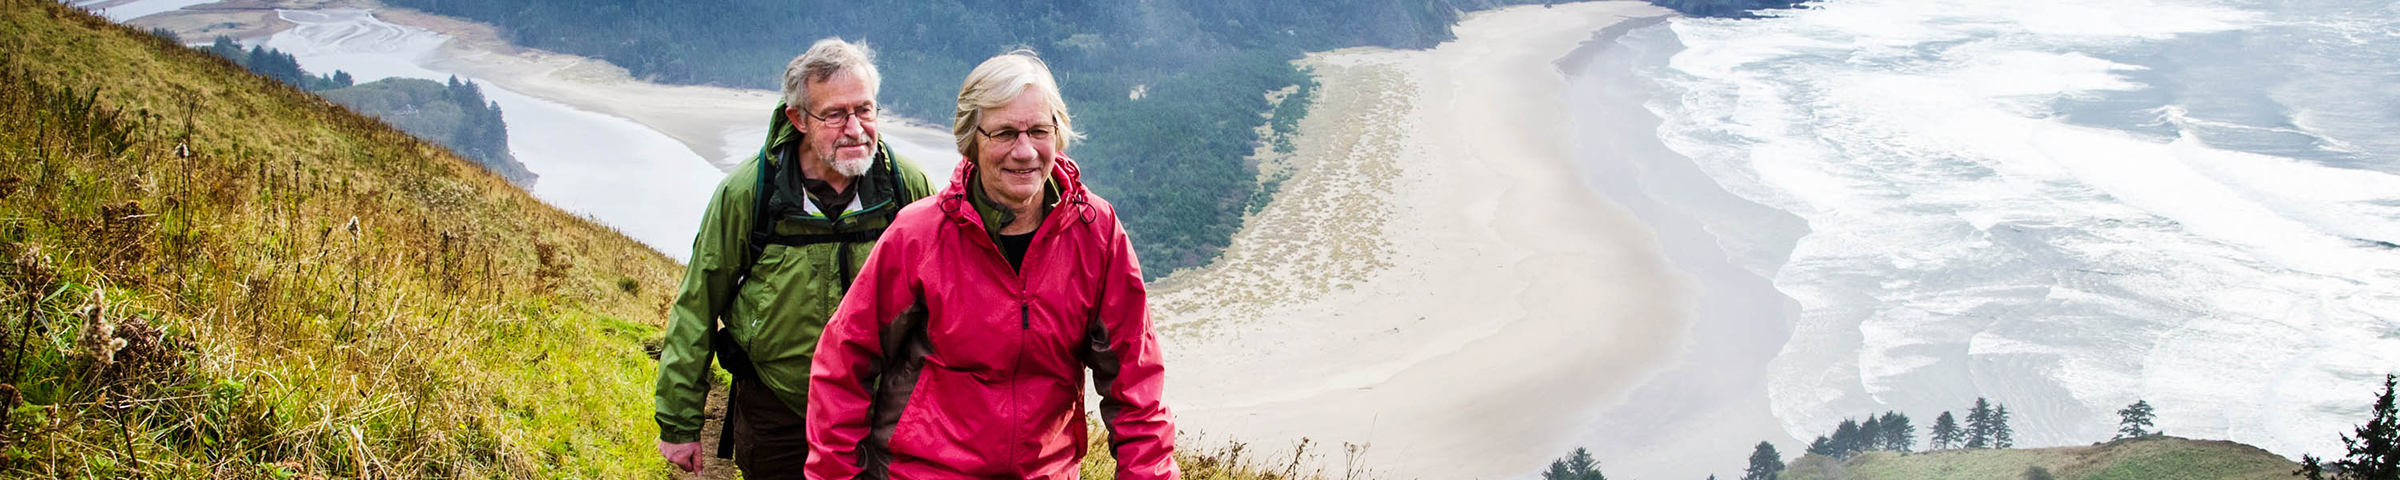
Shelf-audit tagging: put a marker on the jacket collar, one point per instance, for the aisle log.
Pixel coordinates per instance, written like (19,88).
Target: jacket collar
(1064,174)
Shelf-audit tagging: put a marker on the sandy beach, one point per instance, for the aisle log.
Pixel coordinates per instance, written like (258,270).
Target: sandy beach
(1434,281)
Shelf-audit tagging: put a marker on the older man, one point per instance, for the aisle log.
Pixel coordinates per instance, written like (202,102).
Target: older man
(775,252)
(961,353)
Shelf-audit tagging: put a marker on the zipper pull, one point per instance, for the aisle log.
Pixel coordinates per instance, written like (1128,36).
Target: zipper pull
(1025,316)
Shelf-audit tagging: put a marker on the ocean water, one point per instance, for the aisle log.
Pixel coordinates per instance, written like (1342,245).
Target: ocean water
(2062,205)
(606,168)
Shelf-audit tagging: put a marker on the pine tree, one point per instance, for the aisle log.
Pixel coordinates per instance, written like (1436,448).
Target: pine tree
(2375,452)
(1558,471)
(2134,421)
(1898,434)
(2310,468)
(1822,446)
(1845,439)
(2002,436)
(224,47)
(1945,432)
(1979,425)
(1870,435)
(1765,463)
(1577,465)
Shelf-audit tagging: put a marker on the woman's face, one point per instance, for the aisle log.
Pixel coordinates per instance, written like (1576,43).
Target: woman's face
(1017,146)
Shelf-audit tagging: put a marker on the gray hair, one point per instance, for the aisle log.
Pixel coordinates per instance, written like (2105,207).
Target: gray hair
(998,81)
(825,58)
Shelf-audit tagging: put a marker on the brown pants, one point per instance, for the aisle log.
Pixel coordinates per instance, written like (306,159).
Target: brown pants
(769,440)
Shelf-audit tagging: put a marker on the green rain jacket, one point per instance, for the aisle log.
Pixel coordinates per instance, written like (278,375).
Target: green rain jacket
(776,309)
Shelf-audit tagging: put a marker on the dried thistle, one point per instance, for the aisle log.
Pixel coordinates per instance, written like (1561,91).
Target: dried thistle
(30,272)
(100,341)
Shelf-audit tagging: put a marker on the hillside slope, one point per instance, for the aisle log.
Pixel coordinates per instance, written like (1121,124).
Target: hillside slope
(2154,458)
(206,273)
(212,274)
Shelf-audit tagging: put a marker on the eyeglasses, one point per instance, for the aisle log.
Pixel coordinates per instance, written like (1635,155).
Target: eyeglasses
(839,118)
(1010,136)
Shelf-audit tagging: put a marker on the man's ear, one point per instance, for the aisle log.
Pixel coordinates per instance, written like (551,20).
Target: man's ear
(791,114)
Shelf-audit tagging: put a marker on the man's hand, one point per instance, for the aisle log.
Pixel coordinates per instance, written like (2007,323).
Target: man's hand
(682,455)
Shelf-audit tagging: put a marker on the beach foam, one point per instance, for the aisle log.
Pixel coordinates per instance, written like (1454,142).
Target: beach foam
(2064,206)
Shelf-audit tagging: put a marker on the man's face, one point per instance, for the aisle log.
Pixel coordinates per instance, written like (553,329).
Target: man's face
(1013,170)
(835,134)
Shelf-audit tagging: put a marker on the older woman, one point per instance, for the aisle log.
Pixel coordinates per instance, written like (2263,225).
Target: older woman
(960,351)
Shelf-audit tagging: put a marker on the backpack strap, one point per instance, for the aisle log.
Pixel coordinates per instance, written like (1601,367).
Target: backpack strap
(762,230)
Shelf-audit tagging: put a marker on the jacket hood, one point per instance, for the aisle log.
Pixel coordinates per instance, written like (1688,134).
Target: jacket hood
(779,131)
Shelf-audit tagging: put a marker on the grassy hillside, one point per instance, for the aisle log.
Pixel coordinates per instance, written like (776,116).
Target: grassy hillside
(297,289)
(205,273)
(2153,458)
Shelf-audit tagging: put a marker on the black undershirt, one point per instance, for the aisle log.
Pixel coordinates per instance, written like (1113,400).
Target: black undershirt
(1013,247)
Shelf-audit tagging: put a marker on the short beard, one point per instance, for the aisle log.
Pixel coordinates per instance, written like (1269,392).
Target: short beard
(853,168)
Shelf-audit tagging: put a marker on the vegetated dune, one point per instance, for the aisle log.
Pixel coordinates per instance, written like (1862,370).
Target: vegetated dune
(2128,459)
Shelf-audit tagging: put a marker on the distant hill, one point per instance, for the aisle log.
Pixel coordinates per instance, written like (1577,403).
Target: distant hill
(454,114)
(2151,458)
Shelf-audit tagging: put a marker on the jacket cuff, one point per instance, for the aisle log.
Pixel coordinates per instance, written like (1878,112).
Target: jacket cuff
(670,436)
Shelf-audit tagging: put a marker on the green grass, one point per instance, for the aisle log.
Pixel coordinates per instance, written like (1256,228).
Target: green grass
(2152,458)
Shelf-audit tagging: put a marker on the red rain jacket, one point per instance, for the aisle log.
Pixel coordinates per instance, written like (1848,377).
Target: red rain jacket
(945,363)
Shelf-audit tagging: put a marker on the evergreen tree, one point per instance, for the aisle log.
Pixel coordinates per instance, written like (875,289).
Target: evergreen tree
(1979,425)
(1870,435)
(1577,465)
(2310,468)
(1558,471)
(2134,420)
(1845,439)
(2002,436)
(1945,432)
(2375,452)
(1822,446)
(1898,434)
(224,47)
(1765,463)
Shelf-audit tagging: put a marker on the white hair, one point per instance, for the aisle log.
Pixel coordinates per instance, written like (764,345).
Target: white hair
(824,59)
(998,81)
